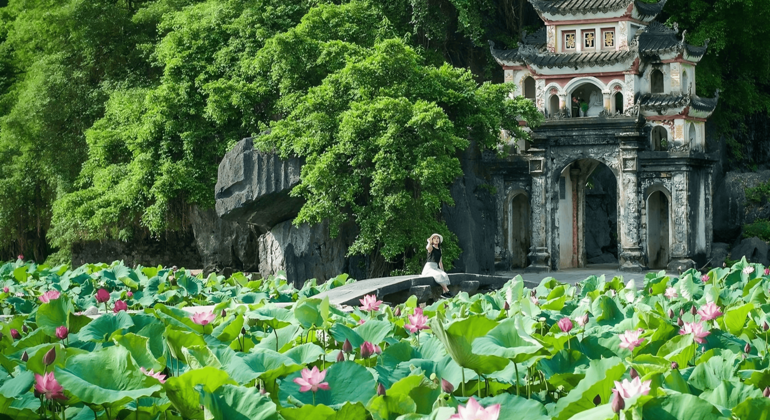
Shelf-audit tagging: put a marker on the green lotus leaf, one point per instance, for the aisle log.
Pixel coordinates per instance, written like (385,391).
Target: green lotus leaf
(679,349)
(458,339)
(348,382)
(606,311)
(341,332)
(320,412)
(139,347)
(710,374)
(513,407)
(233,402)
(350,411)
(54,314)
(735,318)
(18,385)
(510,340)
(273,317)
(283,341)
(729,394)
(35,362)
(374,331)
(308,313)
(101,329)
(106,377)
(419,389)
(388,407)
(230,329)
(182,392)
(757,408)
(176,339)
(681,407)
(33,339)
(599,380)
(305,354)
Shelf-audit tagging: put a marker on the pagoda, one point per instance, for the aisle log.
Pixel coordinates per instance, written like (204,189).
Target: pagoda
(617,89)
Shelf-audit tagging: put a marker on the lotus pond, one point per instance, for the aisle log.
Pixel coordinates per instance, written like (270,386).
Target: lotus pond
(655,347)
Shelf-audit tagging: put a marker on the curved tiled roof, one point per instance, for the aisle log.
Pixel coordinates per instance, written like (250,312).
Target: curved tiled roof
(567,7)
(663,100)
(580,59)
(658,39)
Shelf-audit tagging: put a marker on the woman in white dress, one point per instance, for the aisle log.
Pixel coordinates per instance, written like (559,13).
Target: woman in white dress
(435,266)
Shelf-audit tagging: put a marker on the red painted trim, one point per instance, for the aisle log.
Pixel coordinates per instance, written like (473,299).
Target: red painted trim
(679,59)
(574,75)
(665,117)
(515,68)
(597,20)
(522,123)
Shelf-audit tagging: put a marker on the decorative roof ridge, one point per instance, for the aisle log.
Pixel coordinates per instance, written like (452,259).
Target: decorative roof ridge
(537,38)
(658,28)
(649,9)
(672,100)
(567,7)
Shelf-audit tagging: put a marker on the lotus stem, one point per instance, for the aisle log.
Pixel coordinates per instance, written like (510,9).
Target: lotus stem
(462,371)
(313,398)
(478,385)
(516,367)
(276,339)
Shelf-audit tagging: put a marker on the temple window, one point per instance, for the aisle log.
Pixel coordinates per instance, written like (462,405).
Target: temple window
(685,83)
(553,104)
(589,40)
(618,99)
(656,81)
(692,135)
(659,139)
(529,88)
(570,41)
(608,39)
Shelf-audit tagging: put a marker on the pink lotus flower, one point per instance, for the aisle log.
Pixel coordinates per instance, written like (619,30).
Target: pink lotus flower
(696,329)
(748,270)
(102,296)
(565,324)
(119,306)
(417,321)
(203,318)
(370,303)
(767,271)
(48,386)
(534,300)
(129,294)
(20,256)
(631,389)
(630,339)
(157,375)
(367,349)
(6,289)
(582,320)
(312,380)
(49,296)
(62,332)
(704,278)
(671,293)
(474,411)
(361,321)
(709,311)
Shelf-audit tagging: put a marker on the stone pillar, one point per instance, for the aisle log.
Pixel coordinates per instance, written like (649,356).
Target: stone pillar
(578,202)
(607,98)
(683,229)
(629,209)
(538,256)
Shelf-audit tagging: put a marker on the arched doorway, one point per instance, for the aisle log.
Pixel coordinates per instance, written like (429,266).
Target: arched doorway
(658,230)
(587,215)
(553,105)
(529,88)
(659,139)
(586,100)
(685,83)
(618,102)
(656,81)
(518,235)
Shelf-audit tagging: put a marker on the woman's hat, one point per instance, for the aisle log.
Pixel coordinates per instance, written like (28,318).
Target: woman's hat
(440,238)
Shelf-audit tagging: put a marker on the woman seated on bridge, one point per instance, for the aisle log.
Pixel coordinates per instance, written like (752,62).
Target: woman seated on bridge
(435,266)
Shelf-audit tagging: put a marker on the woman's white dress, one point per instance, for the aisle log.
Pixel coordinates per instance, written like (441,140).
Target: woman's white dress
(431,269)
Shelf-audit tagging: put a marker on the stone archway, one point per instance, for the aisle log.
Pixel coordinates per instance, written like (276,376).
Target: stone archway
(517,236)
(658,229)
(586,215)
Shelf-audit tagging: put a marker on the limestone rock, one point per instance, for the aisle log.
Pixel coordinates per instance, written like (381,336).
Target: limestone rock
(754,249)
(171,248)
(719,251)
(224,246)
(253,187)
(730,209)
(307,252)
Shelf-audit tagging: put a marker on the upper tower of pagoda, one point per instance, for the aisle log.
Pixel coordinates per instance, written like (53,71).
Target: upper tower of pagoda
(605,57)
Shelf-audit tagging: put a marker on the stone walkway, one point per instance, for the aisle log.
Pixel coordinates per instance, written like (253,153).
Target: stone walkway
(574,275)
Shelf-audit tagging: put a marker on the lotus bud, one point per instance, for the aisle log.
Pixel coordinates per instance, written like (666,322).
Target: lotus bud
(119,306)
(6,289)
(650,290)
(62,332)
(724,264)
(224,314)
(765,326)
(129,294)
(634,374)
(674,365)
(747,348)
(380,389)
(670,313)
(366,351)
(24,356)
(397,312)
(377,349)
(767,271)
(617,403)
(582,320)
(533,293)
(263,391)
(347,347)
(50,356)
(102,296)
(680,322)
(340,357)
(447,386)
(1,336)
(243,330)
(693,310)
(766,392)
(506,306)
(681,312)
(24,328)
(597,399)
(15,334)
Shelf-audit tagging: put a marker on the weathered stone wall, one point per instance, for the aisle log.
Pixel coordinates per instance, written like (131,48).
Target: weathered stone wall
(225,247)
(731,211)
(171,249)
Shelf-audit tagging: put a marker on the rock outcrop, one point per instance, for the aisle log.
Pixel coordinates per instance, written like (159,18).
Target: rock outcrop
(754,249)
(171,249)
(225,247)
(253,187)
(731,211)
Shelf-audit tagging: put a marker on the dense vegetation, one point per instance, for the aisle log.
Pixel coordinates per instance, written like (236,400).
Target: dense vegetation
(653,347)
(114,114)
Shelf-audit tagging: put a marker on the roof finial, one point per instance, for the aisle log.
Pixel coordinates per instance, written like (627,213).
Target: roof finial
(676,27)
(706,42)
(684,32)
(716,95)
